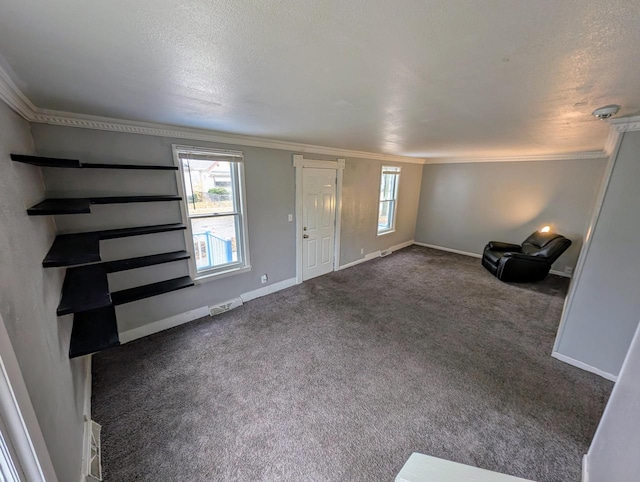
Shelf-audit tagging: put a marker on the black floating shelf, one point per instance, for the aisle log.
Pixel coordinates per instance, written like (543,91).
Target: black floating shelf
(75,163)
(147,291)
(82,248)
(138,231)
(96,330)
(93,331)
(86,287)
(83,205)
(133,199)
(72,249)
(142,167)
(60,206)
(142,261)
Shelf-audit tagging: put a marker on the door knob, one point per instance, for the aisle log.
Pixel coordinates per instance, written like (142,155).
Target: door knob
(305,236)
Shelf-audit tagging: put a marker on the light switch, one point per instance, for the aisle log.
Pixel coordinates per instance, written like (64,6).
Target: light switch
(290,217)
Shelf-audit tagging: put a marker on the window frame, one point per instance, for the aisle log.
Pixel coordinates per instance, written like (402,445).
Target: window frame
(397,170)
(240,194)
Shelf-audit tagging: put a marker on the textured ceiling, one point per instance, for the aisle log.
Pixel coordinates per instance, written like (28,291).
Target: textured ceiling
(428,79)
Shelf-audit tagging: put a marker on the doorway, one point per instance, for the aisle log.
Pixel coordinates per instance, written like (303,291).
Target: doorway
(318,215)
(318,221)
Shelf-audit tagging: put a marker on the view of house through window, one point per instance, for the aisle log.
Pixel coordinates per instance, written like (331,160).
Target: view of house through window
(388,199)
(213,196)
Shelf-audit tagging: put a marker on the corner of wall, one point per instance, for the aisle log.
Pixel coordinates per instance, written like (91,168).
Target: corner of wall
(28,299)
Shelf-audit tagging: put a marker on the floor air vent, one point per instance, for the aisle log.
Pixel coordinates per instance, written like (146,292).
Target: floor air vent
(226,306)
(385,252)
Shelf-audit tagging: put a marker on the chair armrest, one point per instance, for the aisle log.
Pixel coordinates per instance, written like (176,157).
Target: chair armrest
(500,246)
(522,267)
(525,257)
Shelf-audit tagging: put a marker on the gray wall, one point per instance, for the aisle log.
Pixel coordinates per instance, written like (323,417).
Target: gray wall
(613,455)
(361,193)
(270,178)
(463,206)
(28,299)
(605,308)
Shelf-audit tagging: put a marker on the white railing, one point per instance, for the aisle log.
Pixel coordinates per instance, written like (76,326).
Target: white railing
(211,250)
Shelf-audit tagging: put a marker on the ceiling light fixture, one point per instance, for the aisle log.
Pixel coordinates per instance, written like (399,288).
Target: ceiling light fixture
(605,112)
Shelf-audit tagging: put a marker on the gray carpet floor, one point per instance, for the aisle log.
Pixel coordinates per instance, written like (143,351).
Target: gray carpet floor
(341,378)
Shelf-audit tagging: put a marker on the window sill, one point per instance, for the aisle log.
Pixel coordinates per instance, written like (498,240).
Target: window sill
(204,278)
(387,232)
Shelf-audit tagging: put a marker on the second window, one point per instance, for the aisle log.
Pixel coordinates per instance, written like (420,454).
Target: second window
(389,180)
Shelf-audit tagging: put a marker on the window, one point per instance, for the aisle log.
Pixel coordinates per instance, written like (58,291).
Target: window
(388,199)
(213,196)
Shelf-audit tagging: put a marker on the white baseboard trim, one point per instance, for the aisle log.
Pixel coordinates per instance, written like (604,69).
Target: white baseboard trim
(86,414)
(560,273)
(402,245)
(375,254)
(585,468)
(165,324)
(449,250)
(584,366)
(479,256)
(86,411)
(182,318)
(267,290)
(367,257)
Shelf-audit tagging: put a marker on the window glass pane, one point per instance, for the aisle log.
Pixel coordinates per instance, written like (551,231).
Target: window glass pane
(385,218)
(209,186)
(388,196)
(388,186)
(215,241)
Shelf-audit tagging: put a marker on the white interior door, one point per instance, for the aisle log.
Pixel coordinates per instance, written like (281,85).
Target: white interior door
(318,221)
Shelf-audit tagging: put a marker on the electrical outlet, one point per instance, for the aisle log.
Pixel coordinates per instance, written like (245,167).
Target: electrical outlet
(290,218)
(568,270)
(361,250)
(264,278)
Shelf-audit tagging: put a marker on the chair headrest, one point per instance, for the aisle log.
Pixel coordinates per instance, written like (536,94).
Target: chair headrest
(540,240)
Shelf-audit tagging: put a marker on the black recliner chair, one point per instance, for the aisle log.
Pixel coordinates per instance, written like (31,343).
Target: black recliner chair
(529,262)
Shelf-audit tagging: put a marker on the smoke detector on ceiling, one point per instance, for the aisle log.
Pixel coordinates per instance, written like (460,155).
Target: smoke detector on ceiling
(605,112)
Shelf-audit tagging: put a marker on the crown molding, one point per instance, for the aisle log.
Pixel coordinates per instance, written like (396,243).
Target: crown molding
(15,99)
(11,94)
(626,124)
(570,156)
(161,130)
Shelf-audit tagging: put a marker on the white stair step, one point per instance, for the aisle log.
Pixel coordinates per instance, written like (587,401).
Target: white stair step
(424,468)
